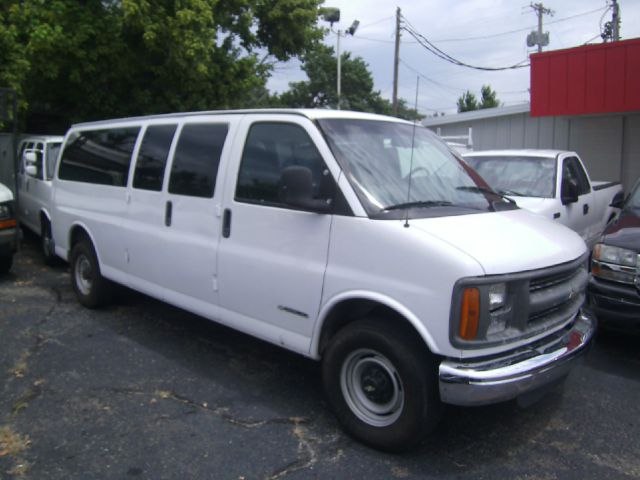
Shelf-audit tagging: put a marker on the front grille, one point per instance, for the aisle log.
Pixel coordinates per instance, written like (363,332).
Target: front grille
(557,296)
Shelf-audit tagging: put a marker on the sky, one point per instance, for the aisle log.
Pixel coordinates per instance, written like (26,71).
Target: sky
(476,32)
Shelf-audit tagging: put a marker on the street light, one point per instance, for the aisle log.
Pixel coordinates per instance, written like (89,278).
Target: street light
(332,15)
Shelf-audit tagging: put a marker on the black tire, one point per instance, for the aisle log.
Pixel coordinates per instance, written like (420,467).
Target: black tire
(381,382)
(5,263)
(91,288)
(46,245)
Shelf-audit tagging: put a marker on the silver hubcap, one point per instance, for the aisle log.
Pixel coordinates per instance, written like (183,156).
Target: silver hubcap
(372,387)
(83,274)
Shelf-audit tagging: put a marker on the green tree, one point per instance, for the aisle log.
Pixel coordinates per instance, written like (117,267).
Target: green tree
(103,58)
(467,102)
(357,88)
(488,97)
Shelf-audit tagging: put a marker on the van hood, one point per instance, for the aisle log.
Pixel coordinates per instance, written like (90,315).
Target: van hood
(5,194)
(506,242)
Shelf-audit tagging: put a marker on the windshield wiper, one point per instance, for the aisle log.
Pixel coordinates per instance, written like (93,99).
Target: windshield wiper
(419,204)
(477,189)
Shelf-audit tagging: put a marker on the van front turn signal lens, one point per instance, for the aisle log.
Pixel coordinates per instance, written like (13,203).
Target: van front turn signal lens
(469,314)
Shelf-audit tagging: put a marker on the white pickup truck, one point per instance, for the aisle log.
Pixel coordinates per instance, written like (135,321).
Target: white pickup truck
(552,183)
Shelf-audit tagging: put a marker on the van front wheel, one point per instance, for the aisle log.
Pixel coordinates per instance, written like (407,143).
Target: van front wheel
(91,288)
(381,383)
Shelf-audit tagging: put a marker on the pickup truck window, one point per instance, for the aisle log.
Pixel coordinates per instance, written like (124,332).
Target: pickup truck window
(383,158)
(572,170)
(152,157)
(517,175)
(269,149)
(197,157)
(99,156)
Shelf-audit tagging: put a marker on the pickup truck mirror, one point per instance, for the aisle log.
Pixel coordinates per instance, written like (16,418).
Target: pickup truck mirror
(296,190)
(568,191)
(618,200)
(31,170)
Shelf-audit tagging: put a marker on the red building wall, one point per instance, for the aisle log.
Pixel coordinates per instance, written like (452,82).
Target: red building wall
(590,79)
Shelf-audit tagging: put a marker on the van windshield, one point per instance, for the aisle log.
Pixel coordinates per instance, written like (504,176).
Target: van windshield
(392,179)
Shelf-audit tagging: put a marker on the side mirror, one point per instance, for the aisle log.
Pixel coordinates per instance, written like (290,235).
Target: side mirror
(296,190)
(618,200)
(31,170)
(30,157)
(568,191)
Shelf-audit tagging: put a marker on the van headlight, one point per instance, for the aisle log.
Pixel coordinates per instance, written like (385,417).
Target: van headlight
(491,302)
(615,263)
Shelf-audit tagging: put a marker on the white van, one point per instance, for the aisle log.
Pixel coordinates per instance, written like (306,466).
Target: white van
(355,239)
(37,156)
(8,229)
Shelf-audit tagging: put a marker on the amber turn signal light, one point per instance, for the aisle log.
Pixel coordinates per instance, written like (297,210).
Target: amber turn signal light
(8,224)
(469,314)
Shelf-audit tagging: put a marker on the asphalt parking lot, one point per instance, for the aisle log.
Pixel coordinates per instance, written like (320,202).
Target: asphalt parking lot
(144,390)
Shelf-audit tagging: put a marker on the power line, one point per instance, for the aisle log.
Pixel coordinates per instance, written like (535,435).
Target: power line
(431,80)
(508,32)
(424,41)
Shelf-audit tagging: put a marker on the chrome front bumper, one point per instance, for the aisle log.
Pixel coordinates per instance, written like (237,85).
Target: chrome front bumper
(508,376)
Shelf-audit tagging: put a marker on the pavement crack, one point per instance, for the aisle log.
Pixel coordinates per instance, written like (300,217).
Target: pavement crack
(306,445)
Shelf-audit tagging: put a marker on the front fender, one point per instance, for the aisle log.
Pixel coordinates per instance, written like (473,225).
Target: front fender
(374,297)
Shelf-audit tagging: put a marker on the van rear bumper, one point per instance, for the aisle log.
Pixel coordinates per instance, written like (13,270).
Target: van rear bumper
(520,371)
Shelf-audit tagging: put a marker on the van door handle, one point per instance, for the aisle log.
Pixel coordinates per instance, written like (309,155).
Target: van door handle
(585,208)
(226,223)
(167,213)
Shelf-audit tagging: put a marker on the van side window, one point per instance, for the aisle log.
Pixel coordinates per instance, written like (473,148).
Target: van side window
(152,157)
(196,160)
(99,156)
(269,149)
(572,170)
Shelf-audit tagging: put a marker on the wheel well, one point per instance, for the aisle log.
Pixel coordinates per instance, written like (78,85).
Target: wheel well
(44,222)
(350,311)
(77,234)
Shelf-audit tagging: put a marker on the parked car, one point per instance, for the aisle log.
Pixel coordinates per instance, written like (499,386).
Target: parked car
(552,183)
(37,159)
(8,229)
(350,238)
(614,288)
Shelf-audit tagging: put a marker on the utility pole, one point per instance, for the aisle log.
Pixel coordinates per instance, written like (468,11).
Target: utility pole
(339,85)
(615,20)
(396,60)
(539,38)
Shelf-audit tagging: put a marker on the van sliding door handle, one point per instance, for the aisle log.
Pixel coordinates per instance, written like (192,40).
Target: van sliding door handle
(585,208)
(226,223)
(167,213)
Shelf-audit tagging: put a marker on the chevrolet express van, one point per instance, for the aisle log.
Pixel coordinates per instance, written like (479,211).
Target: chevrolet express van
(355,239)
(37,156)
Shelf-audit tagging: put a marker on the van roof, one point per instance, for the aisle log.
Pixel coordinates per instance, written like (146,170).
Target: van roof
(40,138)
(312,114)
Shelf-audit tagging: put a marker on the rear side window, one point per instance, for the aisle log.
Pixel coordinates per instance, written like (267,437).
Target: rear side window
(99,156)
(196,160)
(152,157)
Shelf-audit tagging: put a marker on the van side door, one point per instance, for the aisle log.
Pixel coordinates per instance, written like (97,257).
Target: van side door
(176,230)
(273,256)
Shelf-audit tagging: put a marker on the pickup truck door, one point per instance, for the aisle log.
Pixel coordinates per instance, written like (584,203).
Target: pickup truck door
(579,214)
(272,257)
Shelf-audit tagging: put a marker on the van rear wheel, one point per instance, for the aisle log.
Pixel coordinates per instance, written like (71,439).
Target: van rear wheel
(91,288)
(381,382)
